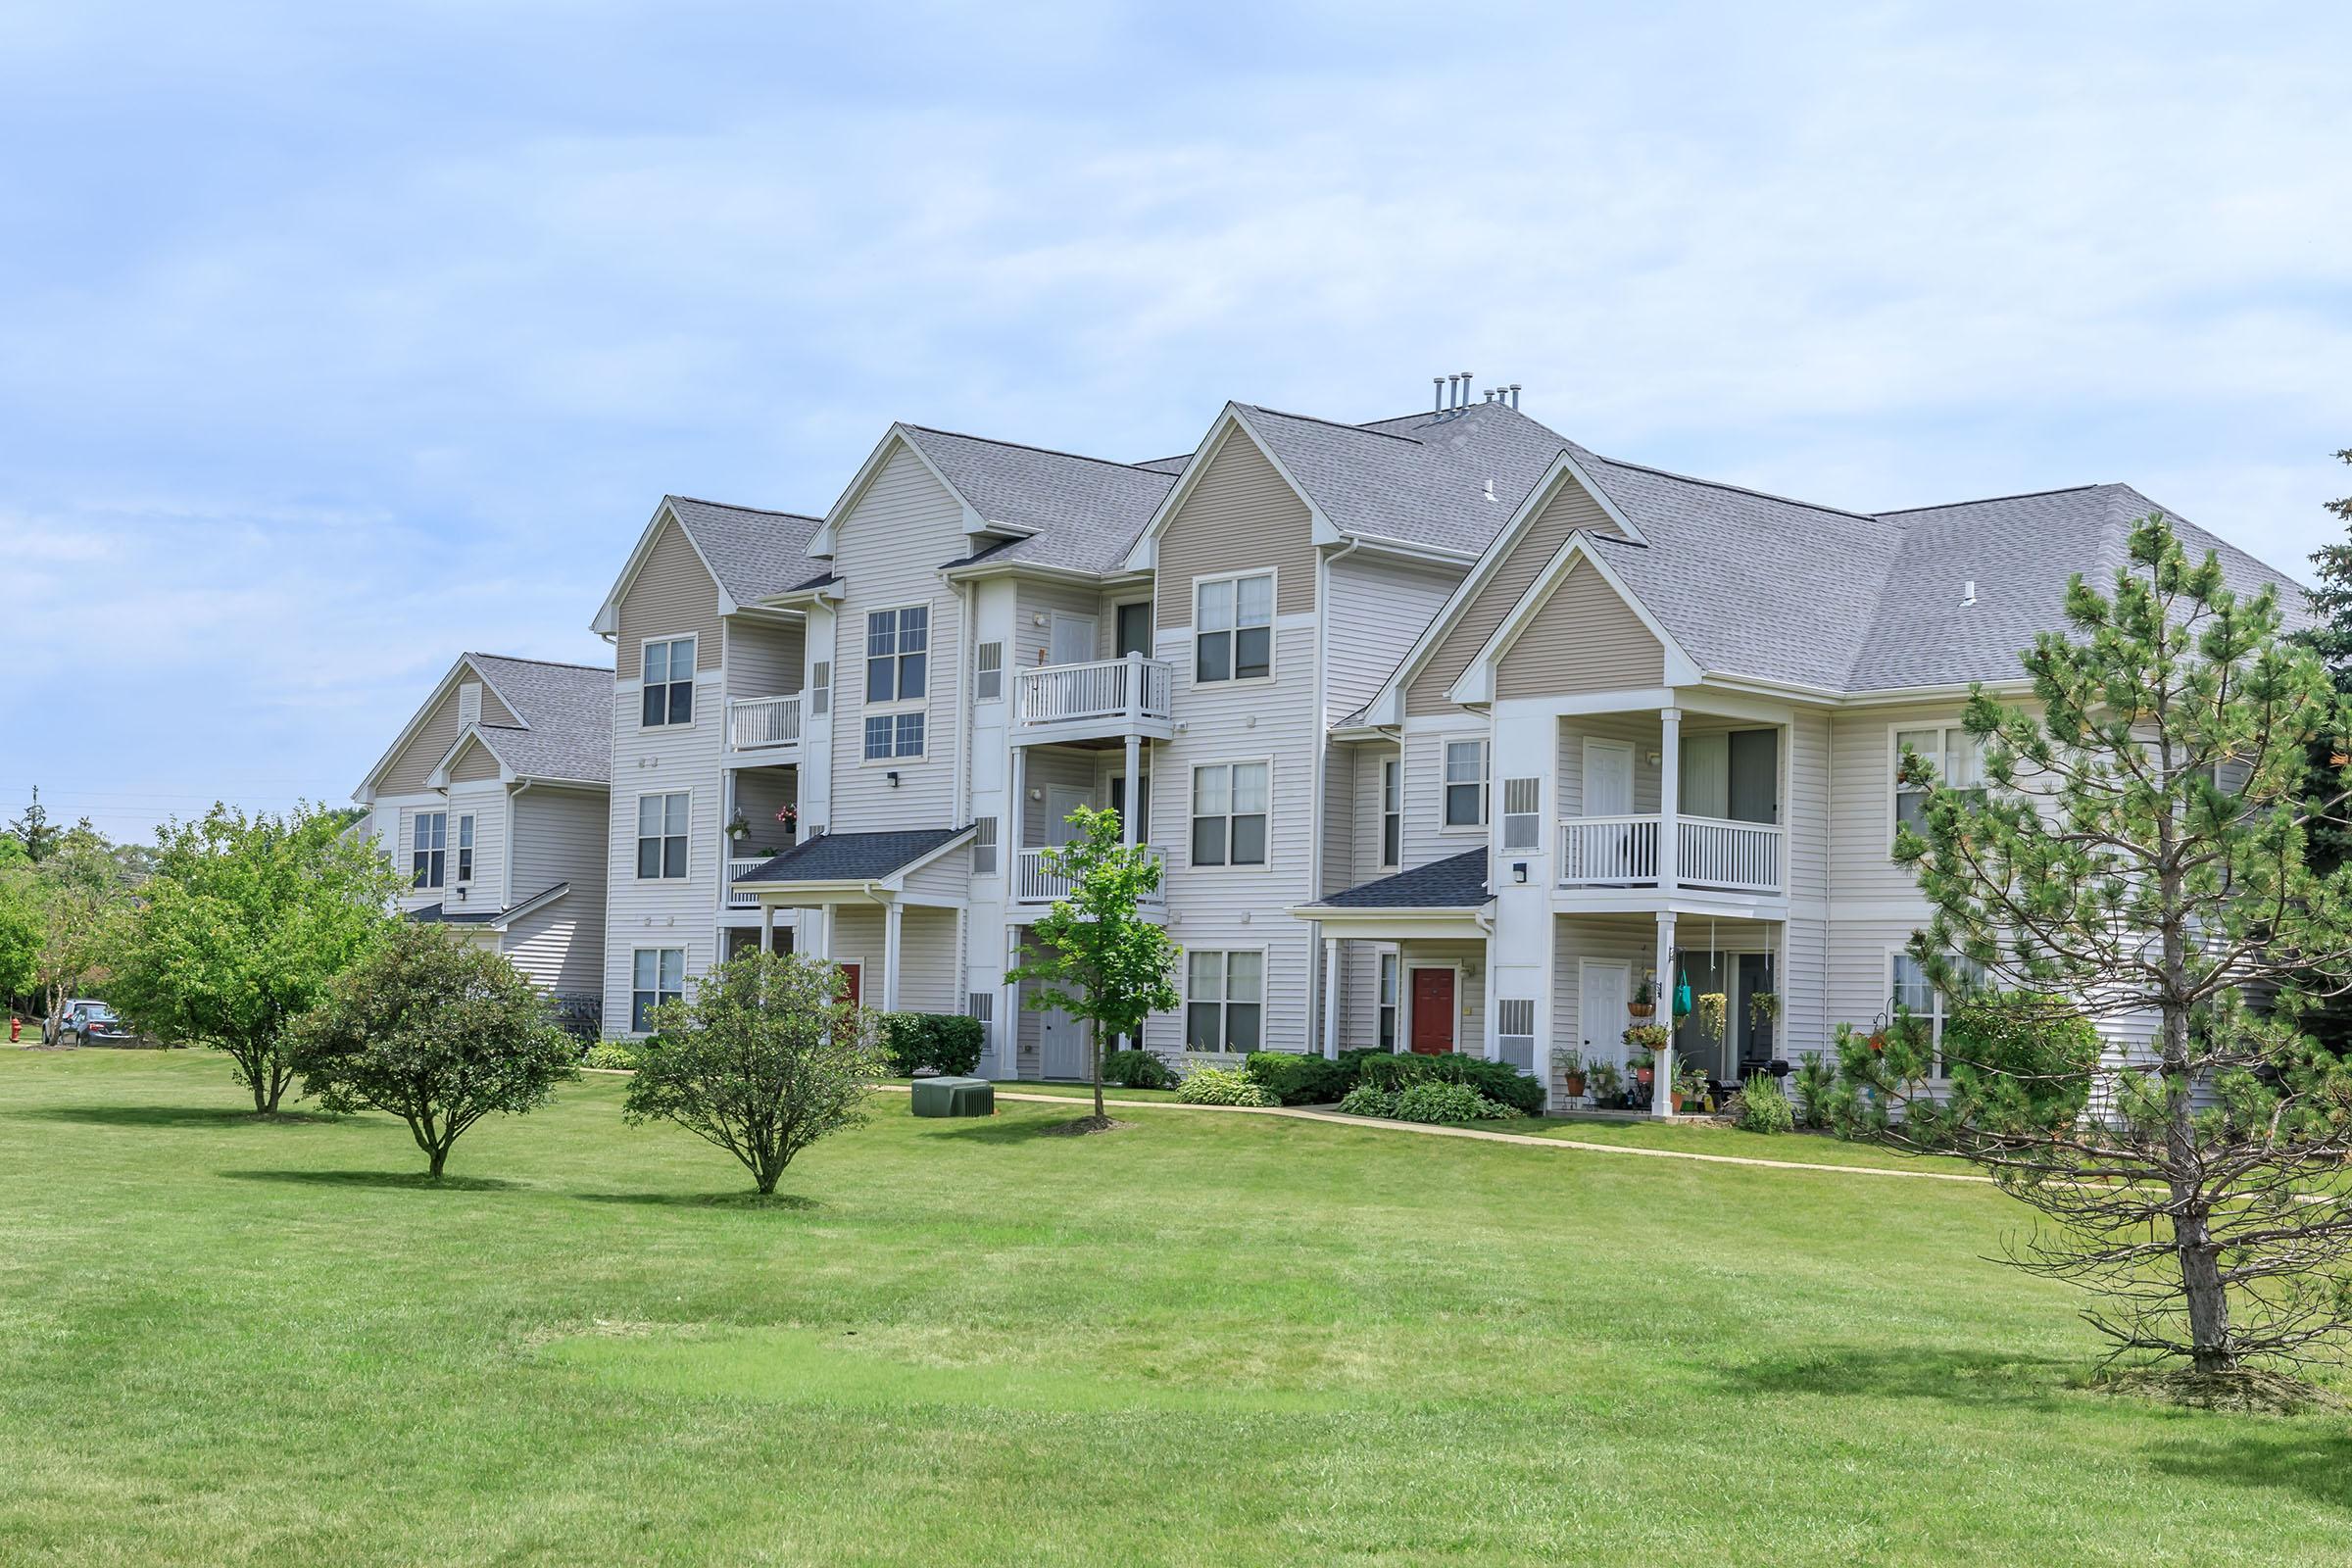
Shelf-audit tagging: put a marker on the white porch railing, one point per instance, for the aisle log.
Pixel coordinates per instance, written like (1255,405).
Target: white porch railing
(1107,689)
(1742,856)
(1034,884)
(757,721)
(735,868)
(1709,853)
(1608,849)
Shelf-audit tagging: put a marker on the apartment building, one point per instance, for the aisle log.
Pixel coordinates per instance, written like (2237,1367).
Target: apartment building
(1449,733)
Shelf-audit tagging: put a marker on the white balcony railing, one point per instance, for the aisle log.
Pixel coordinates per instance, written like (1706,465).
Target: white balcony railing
(736,867)
(1742,856)
(1709,853)
(1608,851)
(1107,689)
(753,722)
(1032,883)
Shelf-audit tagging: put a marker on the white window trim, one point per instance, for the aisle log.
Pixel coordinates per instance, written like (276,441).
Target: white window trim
(637,839)
(680,951)
(1485,788)
(1192,794)
(820,697)
(894,711)
(465,824)
(1273,628)
(865,632)
(417,816)
(1389,952)
(1380,850)
(1184,1005)
(981,670)
(694,656)
(993,841)
(1895,765)
(1941,1013)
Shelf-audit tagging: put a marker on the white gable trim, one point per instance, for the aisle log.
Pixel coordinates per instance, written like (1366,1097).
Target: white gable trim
(1144,555)
(1476,683)
(439,777)
(822,543)
(364,795)
(1387,706)
(607,615)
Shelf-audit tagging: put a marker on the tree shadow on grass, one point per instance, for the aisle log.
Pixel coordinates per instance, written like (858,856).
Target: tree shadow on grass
(1008,1128)
(153,1117)
(789,1201)
(1948,1373)
(410,1179)
(2308,1455)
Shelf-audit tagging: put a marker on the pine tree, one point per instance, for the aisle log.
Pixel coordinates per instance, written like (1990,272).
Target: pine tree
(2137,857)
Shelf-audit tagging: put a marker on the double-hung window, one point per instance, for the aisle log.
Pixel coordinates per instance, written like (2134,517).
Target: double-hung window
(1958,756)
(669,695)
(889,736)
(1392,812)
(1224,1001)
(1228,813)
(897,645)
(1233,628)
(1465,783)
(429,848)
(660,836)
(1914,993)
(1391,973)
(466,848)
(658,975)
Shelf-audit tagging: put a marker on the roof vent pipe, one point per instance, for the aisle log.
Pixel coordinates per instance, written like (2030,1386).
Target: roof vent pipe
(1465,389)
(1968,592)
(1437,394)
(1514,395)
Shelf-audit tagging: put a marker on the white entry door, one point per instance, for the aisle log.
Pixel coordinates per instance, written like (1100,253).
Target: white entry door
(1061,802)
(1603,991)
(1062,1049)
(1608,778)
(1074,640)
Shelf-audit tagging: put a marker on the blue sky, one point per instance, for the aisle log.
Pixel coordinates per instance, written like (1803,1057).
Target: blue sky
(336,343)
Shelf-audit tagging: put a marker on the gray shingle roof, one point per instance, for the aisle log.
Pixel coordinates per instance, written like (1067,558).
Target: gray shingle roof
(852,856)
(439,914)
(1081,512)
(757,554)
(566,714)
(1458,882)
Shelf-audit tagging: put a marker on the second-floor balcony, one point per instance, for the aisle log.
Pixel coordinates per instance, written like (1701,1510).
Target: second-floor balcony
(1032,883)
(760,724)
(1710,853)
(1101,699)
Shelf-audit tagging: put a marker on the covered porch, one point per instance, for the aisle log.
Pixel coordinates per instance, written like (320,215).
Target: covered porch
(1601,965)
(890,909)
(1050,783)
(1670,799)
(1405,963)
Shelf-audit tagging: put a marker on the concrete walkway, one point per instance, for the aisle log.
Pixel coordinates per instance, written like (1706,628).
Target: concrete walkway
(1524,1140)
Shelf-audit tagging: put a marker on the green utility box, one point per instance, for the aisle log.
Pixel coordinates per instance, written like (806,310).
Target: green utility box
(954,1096)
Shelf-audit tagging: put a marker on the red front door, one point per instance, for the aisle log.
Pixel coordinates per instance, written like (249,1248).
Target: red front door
(1433,1010)
(853,973)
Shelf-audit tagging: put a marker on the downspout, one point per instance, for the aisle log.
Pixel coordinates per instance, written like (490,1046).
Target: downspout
(1321,806)
(967,736)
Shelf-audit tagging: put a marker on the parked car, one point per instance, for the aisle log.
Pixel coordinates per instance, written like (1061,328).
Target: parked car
(51,1031)
(93,1023)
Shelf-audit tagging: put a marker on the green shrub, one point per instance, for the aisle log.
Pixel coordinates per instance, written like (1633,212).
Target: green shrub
(613,1055)
(1368,1100)
(1816,1079)
(942,1043)
(1763,1108)
(1221,1086)
(1297,1080)
(1432,1100)
(1497,1081)
(1137,1069)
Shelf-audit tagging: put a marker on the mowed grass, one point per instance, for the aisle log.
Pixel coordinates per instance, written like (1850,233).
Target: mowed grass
(1202,1339)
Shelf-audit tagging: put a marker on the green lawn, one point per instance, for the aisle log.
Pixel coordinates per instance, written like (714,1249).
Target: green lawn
(1214,1340)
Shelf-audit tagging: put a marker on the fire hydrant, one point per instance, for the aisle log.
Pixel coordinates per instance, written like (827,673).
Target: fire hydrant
(16,1028)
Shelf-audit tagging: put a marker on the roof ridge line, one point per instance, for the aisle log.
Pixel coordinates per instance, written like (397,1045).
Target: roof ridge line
(2021,495)
(1735,489)
(1050,451)
(1311,419)
(525,659)
(736,506)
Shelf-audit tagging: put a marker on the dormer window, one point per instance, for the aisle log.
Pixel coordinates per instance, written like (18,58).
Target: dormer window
(1233,628)
(669,682)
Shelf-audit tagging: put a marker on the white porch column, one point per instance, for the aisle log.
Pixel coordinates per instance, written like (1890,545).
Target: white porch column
(1331,998)
(768,926)
(816,931)
(1135,771)
(1670,797)
(892,921)
(1009,1009)
(1661,1089)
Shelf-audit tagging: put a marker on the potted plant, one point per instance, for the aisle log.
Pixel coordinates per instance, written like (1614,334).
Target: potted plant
(1763,1007)
(790,818)
(1572,1069)
(1606,1082)
(1688,1084)
(1645,1000)
(738,826)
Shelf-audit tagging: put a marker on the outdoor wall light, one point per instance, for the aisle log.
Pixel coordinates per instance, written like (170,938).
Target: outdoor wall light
(1519,870)
(893,776)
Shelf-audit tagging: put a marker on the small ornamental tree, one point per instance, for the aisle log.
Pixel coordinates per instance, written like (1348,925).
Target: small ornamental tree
(437,1031)
(241,928)
(75,897)
(1096,958)
(2137,854)
(762,1059)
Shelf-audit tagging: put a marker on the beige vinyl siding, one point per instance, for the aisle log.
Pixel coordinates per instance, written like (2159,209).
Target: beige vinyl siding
(559,948)
(1643,733)
(1584,638)
(1378,608)
(1049,768)
(415,763)
(764,658)
(494,710)
(1570,509)
(858,937)
(1365,827)
(888,549)
(1240,516)
(559,837)
(472,764)
(1426,836)
(1806,810)
(1035,604)
(673,595)
(950,876)
(1339,818)
(1861,813)
(927,957)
